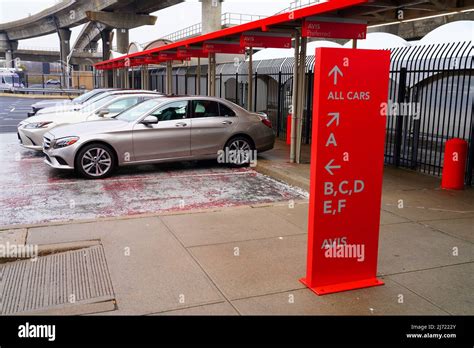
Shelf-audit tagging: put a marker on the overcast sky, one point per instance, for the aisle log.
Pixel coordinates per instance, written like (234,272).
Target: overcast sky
(169,20)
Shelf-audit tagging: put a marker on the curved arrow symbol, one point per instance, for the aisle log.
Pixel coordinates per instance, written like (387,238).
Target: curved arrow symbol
(329,167)
(335,71)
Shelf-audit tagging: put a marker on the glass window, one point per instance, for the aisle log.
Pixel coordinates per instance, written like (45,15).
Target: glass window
(8,79)
(138,110)
(172,111)
(122,104)
(205,108)
(226,111)
(97,104)
(86,96)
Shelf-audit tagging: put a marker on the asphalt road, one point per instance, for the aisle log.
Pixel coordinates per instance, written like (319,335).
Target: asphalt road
(12,111)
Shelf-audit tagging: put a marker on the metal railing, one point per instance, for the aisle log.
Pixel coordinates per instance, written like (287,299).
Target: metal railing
(43,91)
(299,4)
(56,49)
(232,19)
(227,20)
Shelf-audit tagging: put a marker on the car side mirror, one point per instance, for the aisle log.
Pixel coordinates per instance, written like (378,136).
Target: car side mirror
(103,112)
(150,120)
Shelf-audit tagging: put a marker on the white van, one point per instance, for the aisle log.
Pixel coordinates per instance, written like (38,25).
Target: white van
(9,79)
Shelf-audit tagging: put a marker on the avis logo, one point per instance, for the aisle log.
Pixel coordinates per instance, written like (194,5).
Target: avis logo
(338,248)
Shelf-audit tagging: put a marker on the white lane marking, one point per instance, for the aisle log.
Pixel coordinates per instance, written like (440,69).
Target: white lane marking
(135,179)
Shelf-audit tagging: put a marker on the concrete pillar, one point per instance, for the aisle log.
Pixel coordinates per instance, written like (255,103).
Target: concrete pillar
(123,40)
(169,77)
(105,36)
(9,47)
(250,82)
(64,50)
(211,15)
(9,63)
(93,46)
(294,101)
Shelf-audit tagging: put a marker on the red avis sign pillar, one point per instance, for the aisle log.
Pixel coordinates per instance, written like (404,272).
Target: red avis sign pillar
(346,169)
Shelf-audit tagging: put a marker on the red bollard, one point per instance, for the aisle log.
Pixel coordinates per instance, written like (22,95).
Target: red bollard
(288,129)
(454,164)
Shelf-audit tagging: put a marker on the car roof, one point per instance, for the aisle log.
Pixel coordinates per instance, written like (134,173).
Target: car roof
(136,94)
(133,91)
(195,97)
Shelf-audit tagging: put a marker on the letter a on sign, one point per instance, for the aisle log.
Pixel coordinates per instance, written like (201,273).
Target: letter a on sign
(351,214)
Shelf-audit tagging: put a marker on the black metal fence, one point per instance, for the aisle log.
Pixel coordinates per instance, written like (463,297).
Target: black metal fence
(431,98)
(434,89)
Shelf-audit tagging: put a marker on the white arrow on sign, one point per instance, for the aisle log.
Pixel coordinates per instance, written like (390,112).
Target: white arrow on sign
(335,118)
(329,167)
(335,71)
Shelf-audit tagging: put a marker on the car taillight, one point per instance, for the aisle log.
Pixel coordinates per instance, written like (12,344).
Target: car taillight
(267,122)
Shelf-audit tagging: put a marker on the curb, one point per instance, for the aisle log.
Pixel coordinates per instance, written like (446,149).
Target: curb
(33,96)
(278,175)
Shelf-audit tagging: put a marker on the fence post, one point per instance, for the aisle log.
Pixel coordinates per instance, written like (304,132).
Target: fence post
(186,84)
(309,95)
(399,118)
(470,159)
(237,88)
(220,85)
(278,125)
(177,82)
(255,90)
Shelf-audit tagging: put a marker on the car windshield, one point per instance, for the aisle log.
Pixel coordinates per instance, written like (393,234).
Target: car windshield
(135,112)
(86,96)
(11,79)
(97,104)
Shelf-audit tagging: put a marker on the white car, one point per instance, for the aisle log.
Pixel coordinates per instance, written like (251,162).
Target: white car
(32,129)
(65,107)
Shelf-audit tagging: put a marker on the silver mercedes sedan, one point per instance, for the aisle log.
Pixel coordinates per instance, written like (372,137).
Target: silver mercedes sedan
(161,130)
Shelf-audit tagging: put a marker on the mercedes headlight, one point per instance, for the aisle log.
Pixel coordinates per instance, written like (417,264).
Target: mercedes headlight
(36,125)
(63,142)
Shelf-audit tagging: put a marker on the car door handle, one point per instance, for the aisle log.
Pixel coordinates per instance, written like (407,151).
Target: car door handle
(181,124)
(227,122)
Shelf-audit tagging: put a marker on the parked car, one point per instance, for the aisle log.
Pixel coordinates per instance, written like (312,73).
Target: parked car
(77,107)
(158,130)
(32,129)
(53,82)
(61,102)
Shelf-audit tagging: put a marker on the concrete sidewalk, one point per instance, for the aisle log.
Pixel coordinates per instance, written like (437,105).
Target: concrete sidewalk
(247,260)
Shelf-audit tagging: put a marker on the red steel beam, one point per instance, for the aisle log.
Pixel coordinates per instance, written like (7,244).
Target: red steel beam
(263,25)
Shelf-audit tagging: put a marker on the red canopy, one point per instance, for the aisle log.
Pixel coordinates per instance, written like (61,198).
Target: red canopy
(194,46)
